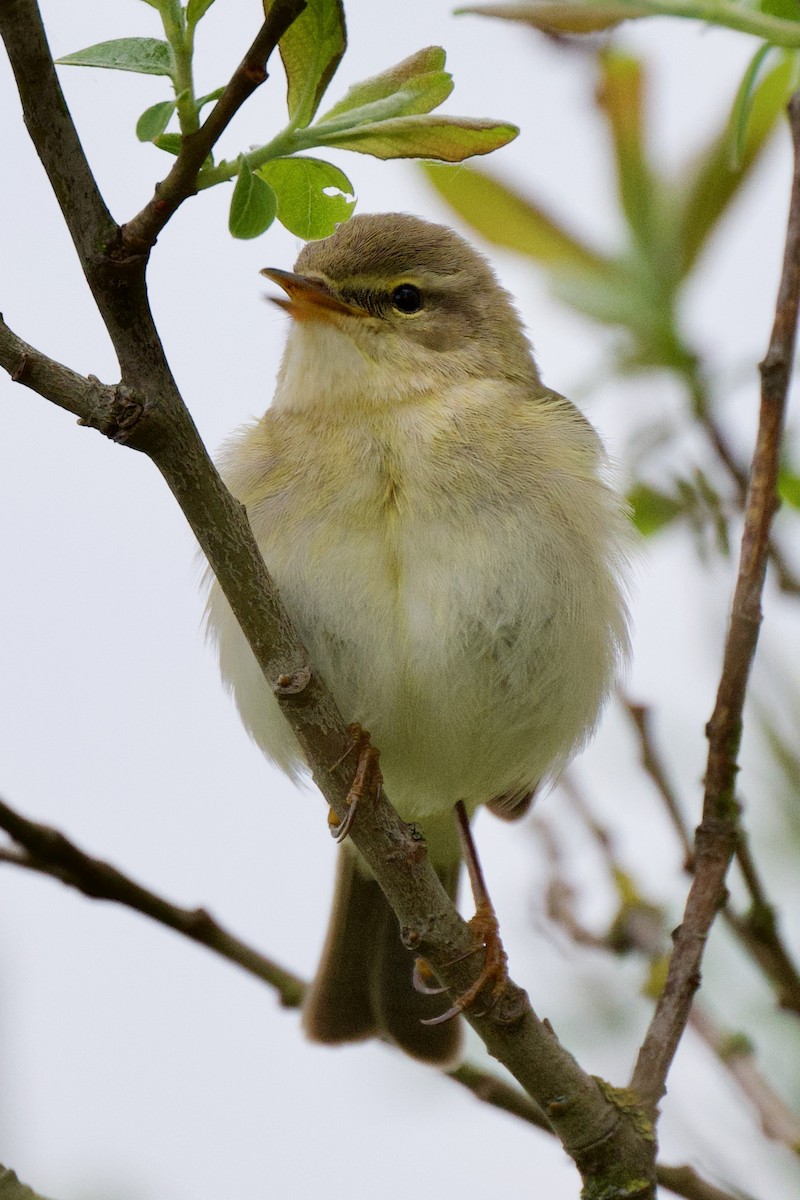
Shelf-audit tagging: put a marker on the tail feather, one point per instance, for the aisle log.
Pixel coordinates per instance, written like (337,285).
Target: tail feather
(363,986)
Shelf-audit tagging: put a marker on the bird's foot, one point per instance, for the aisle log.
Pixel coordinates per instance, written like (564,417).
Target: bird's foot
(493,979)
(367,779)
(484,926)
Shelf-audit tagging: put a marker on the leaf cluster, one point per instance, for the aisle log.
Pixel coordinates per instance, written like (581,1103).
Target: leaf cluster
(637,288)
(388,116)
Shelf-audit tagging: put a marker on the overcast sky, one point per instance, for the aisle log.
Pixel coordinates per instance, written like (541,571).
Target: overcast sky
(137,1066)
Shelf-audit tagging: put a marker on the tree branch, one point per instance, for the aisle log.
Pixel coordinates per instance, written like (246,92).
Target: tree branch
(600,1129)
(718,832)
(48,852)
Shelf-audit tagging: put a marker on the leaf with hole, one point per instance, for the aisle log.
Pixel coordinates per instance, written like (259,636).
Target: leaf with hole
(313,196)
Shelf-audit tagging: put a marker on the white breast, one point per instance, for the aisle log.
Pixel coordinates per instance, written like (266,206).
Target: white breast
(458,596)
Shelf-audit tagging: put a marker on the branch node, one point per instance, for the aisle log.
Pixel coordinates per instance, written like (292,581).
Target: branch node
(20,370)
(292,683)
(117,413)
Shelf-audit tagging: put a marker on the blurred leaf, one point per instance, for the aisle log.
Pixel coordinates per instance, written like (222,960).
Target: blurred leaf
(196,10)
(786,757)
(311,50)
(553,17)
(506,218)
(714,181)
(253,204)
(779,8)
(413,76)
(712,510)
(147,56)
(743,104)
(652,510)
(789,487)
(154,121)
(301,186)
(656,977)
(619,94)
(450,139)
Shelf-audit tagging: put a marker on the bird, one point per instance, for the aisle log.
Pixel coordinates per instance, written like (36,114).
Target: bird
(442,529)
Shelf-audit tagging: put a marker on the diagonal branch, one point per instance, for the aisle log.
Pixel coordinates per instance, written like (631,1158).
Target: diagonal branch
(48,852)
(718,832)
(598,1127)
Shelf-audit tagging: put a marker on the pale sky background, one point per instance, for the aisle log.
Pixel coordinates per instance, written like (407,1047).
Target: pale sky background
(135,1065)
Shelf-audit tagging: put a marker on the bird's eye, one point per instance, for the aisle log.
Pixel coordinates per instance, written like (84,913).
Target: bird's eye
(406,298)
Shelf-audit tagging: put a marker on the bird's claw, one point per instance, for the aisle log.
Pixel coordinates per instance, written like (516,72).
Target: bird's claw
(366,780)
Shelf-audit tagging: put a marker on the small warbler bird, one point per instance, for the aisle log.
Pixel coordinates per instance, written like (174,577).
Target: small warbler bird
(439,526)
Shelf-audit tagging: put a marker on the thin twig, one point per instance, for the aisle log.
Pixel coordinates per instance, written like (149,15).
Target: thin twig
(718,832)
(735,1052)
(604,1137)
(640,718)
(639,926)
(48,852)
(757,930)
(786,579)
(139,234)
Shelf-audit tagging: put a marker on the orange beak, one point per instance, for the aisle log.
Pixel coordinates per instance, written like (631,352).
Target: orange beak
(308,299)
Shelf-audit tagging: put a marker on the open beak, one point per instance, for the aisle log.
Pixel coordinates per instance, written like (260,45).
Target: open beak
(308,299)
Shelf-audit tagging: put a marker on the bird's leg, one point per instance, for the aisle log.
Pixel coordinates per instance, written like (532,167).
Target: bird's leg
(485,929)
(366,780)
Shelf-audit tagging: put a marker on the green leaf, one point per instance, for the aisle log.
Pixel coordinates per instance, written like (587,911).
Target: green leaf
(620,95)
(253,204)
(652,510)
(559,16)
(154,121)
(146,56)
(418,96)
(171,142)
(450,139)
(779,8)
(311,50)
(209,98)
(196,10)
(789,487)
(505,218)
(714,181)
(381,87)
(302,187)
(743,104)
